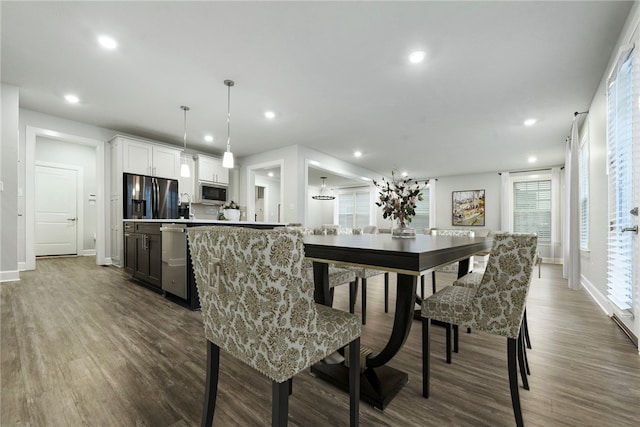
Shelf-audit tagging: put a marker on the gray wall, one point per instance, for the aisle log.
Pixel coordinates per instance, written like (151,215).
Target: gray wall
(9,178)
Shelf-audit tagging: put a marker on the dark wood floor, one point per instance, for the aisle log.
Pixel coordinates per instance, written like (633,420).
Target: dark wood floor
(83,345)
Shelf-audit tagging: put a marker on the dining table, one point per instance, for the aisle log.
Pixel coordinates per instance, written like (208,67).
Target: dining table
(408,258)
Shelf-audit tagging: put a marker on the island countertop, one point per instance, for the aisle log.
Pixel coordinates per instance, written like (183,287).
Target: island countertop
(197,221)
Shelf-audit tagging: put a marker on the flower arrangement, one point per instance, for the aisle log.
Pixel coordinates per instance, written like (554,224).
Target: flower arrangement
(398,198)
(231,205)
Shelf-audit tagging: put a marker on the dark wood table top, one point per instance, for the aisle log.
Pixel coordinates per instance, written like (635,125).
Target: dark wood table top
(407,256)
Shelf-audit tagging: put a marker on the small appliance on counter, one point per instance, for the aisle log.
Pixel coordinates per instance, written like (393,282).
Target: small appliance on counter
(184,208)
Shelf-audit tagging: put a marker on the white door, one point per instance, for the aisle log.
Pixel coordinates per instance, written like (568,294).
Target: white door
(56,211)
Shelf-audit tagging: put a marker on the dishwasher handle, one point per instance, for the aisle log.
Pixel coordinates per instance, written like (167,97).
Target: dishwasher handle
(173,229)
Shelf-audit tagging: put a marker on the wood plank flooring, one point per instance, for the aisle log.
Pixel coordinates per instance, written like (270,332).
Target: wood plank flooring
(84,345)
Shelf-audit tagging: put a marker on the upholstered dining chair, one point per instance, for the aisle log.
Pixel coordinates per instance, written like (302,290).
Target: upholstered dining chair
(257,305)
(453,267)
(496,306)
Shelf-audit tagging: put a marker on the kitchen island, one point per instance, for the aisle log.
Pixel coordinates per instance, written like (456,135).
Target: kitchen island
(156,254)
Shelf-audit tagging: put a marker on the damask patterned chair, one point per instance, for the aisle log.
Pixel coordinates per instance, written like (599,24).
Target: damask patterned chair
(496,306)
(257,305)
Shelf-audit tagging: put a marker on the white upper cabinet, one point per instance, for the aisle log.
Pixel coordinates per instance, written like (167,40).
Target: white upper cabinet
(149,159)
(210,169)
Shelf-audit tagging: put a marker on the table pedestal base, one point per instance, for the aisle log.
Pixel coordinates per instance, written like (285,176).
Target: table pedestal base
(378,386)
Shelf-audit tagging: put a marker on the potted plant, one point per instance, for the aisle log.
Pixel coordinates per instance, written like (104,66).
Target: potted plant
(398,199)
(231,211)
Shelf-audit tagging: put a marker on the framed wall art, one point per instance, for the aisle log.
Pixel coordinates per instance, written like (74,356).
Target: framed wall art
(467,207)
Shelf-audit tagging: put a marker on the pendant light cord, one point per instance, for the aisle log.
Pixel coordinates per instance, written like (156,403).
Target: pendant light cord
(229,83)
(185,109)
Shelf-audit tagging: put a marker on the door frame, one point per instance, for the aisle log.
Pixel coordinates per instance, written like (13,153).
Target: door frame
(30,174)
(79,200)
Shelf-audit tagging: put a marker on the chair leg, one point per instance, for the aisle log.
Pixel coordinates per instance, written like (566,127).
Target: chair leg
(422,286)
(448,338)
(386,292)
(433,281)
(279,403)
(364,301)
(290,386)
(455,339)
(211,387)
(521,360)
(353,291)
(354,382)
(525,326)
(426,356)
(512,356)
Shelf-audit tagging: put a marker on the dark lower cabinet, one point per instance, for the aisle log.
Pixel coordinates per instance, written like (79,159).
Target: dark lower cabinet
(143,252)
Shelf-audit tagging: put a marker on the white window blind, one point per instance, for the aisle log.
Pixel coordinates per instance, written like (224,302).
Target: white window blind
(532,208)
(620,120)
(583,174)
(421,220)
(353,208)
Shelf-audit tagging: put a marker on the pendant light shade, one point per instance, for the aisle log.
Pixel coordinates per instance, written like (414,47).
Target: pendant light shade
(227,159)
(184,167)
(324,194)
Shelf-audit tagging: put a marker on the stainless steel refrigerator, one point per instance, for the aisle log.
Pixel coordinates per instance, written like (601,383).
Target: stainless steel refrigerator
(150,197)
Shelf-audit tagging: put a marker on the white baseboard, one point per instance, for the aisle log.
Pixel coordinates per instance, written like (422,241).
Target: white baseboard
(597,296)
(89,252)
(22,266)
(10,276)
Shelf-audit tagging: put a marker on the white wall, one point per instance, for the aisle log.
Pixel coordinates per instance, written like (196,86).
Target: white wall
(272,197)
(319,211)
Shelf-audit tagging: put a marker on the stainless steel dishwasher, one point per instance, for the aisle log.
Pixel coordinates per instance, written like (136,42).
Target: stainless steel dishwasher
(174,259)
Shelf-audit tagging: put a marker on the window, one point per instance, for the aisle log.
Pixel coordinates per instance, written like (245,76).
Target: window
(532,208)
(620,124)
(354,208)
(583,175)
(421,220)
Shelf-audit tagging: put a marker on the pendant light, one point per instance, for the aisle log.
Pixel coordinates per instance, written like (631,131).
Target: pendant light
(184,167)
(324,195)
(227,159)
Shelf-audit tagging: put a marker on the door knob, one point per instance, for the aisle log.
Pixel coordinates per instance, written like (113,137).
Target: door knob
(634,229)
(634,211)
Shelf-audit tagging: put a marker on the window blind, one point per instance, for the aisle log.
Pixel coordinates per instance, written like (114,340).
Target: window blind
(620,182)
(353,209)
(532,208)
(583,174)
(421,219)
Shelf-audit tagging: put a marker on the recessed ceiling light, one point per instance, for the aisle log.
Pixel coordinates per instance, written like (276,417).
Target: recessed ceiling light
(107,42)
(416,57)
(532,159)
(530,122)
(364,178)
(314,163)
(270,174)
(357,153)
(269,114)
(72,99)
(404,174)
(208,138)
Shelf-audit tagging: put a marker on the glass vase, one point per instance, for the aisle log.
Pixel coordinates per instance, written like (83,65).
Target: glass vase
(403,231)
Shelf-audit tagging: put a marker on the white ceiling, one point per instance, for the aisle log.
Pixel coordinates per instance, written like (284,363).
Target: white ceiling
(335,73)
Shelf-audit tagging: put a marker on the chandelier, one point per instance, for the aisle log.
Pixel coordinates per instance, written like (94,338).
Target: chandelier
(324,194)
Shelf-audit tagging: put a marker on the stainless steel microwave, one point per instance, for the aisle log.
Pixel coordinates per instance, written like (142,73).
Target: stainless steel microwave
(212,194)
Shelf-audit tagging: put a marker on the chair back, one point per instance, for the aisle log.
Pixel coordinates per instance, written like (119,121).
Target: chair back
(256,304)
(499,302)
(452,232)
(369,229)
